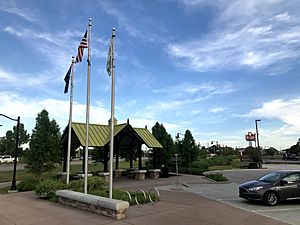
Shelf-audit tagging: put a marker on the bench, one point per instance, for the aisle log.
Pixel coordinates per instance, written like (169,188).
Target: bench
(105,175)
(139,174)
(154,173)
(118,172)
(104,206)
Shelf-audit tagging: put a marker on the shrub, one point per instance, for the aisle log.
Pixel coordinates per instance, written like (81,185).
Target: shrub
(94,184)
(190,170)
(201,164)
(47,188)
(28,184)
(236,163)
(220,160)
(216,177)
(121,195)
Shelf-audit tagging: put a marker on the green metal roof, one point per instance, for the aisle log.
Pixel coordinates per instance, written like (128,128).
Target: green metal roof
(99,135)
(148,138)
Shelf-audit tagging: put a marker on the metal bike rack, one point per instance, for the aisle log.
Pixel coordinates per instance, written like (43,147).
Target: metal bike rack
(154,191)
(127,194)
(136,197)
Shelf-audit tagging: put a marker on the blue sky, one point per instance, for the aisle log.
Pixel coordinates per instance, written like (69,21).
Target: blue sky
(212,67)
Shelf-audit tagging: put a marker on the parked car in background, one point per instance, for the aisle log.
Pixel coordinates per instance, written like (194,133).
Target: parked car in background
(289,156)
(6,159)
(273,187)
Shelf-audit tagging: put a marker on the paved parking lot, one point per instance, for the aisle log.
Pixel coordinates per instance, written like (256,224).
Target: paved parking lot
(227,193)
(223,193)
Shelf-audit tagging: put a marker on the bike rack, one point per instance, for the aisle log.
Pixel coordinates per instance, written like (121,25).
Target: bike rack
(136,197)
(127,194)
(157,194)
(153,190)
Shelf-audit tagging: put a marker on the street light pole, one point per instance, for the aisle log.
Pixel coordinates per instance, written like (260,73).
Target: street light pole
(257,139)
(13,183)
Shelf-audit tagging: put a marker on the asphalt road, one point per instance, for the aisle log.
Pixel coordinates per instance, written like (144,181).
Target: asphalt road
(227,193)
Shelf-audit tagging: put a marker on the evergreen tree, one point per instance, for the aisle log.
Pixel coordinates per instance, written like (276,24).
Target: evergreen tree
(8,143)
(45,148)
(188,149)
(164,155)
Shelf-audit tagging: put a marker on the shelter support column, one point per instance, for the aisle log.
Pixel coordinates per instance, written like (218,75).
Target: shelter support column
(83,159)
(65,153)
(117,157)
(131,157)
(154,158)
(105,160)
(140,156)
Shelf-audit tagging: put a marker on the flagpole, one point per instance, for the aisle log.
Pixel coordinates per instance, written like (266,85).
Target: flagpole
(87,108)
(111,153)
(70,123)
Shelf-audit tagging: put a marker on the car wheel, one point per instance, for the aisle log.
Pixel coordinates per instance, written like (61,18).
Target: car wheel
(271,198)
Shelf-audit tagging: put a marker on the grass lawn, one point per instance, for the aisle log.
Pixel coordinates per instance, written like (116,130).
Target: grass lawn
(6,176)
(225,167)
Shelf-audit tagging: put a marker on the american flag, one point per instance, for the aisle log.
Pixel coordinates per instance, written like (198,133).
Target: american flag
(83,44)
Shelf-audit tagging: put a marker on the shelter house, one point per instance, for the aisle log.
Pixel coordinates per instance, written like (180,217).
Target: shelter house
(126,138)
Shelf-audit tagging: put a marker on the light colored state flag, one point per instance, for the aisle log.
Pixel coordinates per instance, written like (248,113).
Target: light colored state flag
(110,57)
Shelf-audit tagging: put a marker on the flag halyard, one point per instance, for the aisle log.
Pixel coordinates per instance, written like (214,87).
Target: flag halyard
(83,44)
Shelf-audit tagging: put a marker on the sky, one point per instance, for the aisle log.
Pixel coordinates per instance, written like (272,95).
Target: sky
(213,67)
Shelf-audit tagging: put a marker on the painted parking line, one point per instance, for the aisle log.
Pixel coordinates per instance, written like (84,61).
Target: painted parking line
(276,210)
(227,193)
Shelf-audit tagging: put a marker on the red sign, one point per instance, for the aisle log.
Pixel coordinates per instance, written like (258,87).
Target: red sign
(250,137)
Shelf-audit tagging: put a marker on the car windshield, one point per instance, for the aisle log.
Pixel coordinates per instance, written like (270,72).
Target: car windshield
(271,177)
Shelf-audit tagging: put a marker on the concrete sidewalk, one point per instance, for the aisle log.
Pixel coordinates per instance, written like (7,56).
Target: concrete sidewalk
(176,206)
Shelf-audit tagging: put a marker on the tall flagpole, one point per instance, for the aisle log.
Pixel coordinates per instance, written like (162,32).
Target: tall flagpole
(70,122)
(87,108)
(112,121)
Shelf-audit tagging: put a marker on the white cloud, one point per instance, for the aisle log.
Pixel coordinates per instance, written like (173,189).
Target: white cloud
(217,109)
(283,17)
(285,111)
(37,80)
(244,34)
(23,13)
(288,111)
(15,105)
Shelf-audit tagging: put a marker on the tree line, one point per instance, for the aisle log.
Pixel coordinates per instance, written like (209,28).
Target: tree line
(45,147)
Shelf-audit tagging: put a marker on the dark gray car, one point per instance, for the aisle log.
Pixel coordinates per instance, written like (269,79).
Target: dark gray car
(273,187)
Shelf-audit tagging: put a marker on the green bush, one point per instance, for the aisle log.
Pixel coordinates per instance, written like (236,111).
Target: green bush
(190,170)
(94,184)
(121,195)
(47,188)
(216,177)
(236,163)
(28,184)
(201,164)
(220,160)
